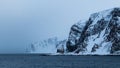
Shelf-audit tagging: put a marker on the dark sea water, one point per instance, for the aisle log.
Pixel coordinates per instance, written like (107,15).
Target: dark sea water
(38,61)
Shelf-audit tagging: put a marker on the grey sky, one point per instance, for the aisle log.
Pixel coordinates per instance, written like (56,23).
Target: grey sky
(25,21)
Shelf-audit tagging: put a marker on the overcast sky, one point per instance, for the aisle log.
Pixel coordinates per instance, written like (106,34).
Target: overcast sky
(26,21)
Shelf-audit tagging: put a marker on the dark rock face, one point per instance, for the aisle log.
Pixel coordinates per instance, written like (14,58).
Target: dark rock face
(61,48)
(96,46)
(74,36)
(102,28)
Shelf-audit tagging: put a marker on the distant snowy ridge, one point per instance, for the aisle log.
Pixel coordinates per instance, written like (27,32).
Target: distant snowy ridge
(100,34)
(49,46)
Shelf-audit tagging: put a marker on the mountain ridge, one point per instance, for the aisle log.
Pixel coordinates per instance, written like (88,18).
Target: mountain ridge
(97,23)
(100,34)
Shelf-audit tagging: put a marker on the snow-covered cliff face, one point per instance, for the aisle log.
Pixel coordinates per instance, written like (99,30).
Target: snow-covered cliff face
(98,35)
(49,46)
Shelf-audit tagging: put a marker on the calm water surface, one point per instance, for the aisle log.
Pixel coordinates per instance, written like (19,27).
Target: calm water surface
(38,61)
